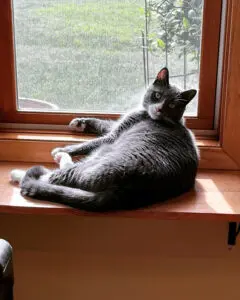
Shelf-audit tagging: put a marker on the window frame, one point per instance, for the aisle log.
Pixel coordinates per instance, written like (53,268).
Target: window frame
(207,83)
(221,153)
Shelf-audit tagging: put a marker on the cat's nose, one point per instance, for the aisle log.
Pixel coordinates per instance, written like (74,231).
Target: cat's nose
(159,109)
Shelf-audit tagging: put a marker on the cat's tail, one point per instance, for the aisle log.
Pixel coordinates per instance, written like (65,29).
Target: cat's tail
(74,197)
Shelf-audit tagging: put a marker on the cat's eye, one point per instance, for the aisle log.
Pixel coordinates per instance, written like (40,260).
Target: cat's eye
(158,95)
(171,105)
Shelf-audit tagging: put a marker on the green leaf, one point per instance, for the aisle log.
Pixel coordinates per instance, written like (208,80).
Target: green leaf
(161,44)
(186,24)
(152,35)
(141,10)
(179,3)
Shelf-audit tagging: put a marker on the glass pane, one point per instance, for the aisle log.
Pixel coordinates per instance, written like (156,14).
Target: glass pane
(98,55)
(174,30)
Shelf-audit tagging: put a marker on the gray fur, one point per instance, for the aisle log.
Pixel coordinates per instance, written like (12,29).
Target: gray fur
(146,157)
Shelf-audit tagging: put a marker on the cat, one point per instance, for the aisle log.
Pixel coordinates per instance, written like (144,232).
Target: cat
(147,156)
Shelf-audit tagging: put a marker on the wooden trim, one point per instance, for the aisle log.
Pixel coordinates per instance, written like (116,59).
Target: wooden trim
(216,159)
(208,74)
(36,148)
(70,137)
(7,73)
(226,56)
(209,59)
(230,111)
(65,118)
(215,197)
(224,155)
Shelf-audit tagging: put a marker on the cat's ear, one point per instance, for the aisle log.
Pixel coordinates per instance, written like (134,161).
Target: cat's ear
(163,77)
(187,96)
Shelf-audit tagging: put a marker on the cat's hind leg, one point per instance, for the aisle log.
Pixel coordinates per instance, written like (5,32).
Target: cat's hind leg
(32,187)
(76,198)
(17,175)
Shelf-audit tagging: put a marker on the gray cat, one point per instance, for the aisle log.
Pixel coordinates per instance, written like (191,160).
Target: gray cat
(146,157)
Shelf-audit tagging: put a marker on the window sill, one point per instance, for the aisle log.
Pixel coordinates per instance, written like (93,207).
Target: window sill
(216,197)
(29,146)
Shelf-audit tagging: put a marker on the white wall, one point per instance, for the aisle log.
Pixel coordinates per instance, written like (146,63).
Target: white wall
(72,258)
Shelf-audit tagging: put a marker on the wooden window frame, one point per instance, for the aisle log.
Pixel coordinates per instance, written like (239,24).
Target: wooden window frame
(207,83)
(222,153)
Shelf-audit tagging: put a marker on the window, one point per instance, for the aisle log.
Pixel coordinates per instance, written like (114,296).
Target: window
(95,57)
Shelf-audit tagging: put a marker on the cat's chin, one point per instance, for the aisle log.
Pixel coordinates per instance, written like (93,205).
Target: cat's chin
(155,115)
(161,117)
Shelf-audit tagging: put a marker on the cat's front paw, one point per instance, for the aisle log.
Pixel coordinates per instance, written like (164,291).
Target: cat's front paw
(78,124)
(57,150)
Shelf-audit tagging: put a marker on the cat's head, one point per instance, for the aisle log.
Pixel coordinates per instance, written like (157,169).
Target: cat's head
(165,102)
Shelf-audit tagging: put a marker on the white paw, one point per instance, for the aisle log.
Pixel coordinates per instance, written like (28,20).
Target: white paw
(17,175)
(63,159)
(59,156)
(57,150)
(77,124)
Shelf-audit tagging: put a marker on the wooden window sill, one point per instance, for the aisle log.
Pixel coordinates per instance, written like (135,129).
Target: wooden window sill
(29,146)
(215,197)
(69,137)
